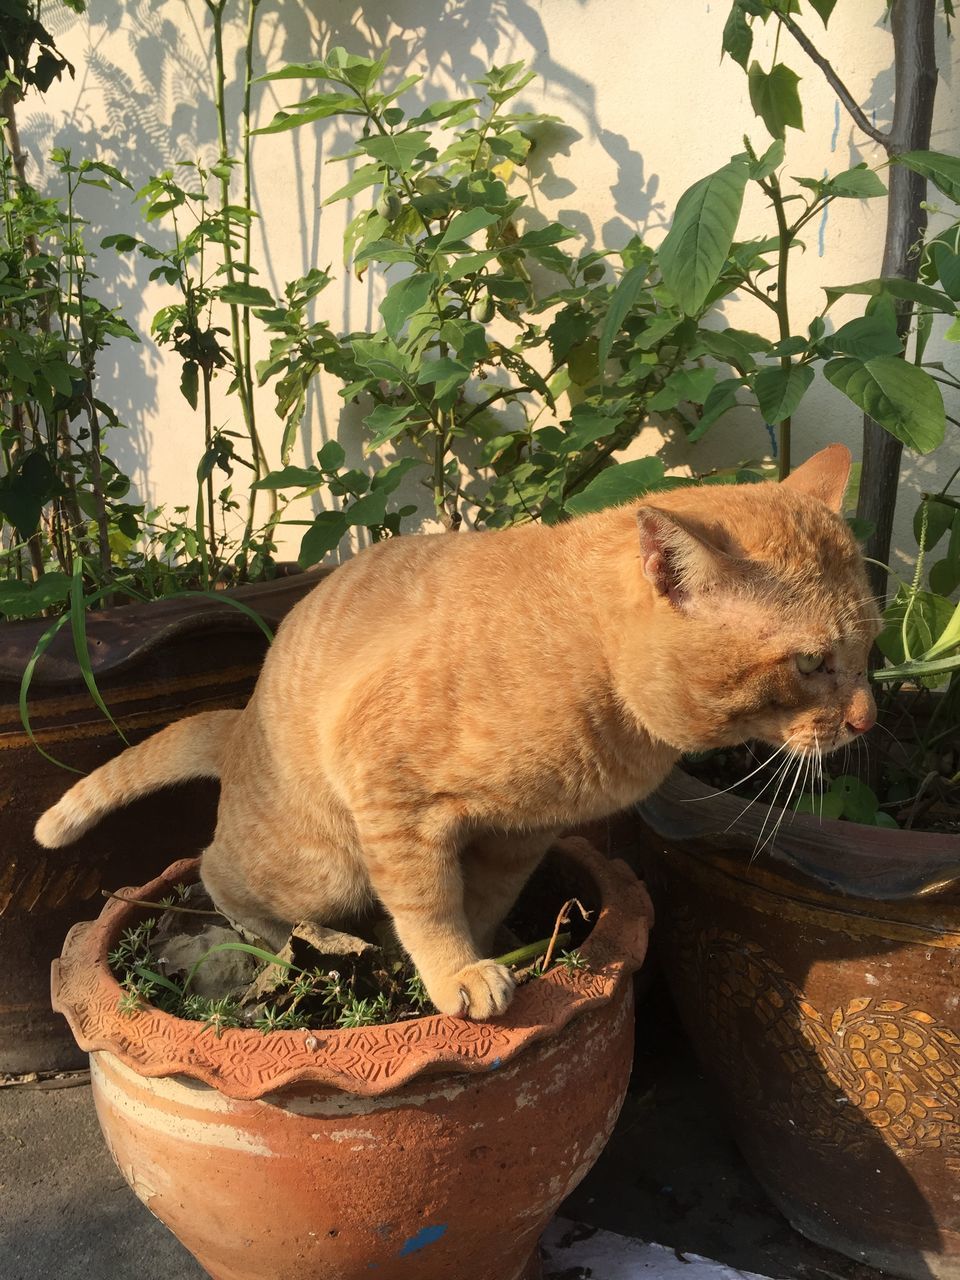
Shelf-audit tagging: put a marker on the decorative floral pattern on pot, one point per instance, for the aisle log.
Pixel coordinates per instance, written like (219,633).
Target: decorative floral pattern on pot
(897,1066)
(247,1064)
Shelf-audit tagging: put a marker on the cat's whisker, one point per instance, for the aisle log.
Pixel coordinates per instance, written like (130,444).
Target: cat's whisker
(778,821)
(741,781)
(778,773)
(807,777)
(783,777)
(806,762)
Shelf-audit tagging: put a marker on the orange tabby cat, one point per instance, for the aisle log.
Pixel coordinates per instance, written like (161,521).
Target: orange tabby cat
(432,714)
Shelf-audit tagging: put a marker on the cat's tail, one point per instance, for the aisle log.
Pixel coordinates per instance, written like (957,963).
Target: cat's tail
(189,748)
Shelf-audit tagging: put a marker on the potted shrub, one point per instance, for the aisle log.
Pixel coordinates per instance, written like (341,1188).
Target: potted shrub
(151,634)
(817,980)
(295,1152)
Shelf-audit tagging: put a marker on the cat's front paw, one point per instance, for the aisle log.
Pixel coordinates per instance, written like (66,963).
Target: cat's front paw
(481,990)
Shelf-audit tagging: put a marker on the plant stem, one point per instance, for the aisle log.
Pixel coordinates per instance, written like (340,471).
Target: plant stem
(244,381)
(532,951)
(782,308)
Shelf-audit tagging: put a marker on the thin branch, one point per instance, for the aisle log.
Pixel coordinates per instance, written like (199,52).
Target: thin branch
(839,88)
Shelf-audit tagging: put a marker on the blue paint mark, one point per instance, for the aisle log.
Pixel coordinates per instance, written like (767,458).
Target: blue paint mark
(771,432)
(822,234)
(425,1236)
(836,125)
(494,1064)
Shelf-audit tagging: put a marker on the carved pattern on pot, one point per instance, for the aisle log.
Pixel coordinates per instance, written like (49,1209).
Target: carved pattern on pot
(247,1063)
(895,1067)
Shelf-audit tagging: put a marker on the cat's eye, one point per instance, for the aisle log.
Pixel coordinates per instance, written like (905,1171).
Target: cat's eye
(809,662)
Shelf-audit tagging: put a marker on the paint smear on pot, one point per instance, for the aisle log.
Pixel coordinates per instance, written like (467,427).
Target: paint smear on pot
(425,1236)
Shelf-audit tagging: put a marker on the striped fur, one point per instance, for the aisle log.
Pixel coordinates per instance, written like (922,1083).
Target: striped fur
(432,714)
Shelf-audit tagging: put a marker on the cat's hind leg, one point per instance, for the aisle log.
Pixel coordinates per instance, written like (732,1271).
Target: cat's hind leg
(241,907)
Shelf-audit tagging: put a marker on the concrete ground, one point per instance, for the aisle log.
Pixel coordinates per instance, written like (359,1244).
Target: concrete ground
(671,1175)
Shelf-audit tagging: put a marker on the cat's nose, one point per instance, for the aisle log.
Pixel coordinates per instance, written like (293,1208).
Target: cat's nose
(861,721)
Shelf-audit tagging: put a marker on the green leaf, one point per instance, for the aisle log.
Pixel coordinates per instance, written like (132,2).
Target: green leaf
(60,376)
(859,802)
(331,456)
(323,535)
(449,375)
(945,577)
(389,477)
(694,385)
(824,8)
(190,382)
(403,299)
(769,162)
(928,627)
(385,422)
(909,290)
(246,295)
(947,264)
(696,246)
(465,224)
(722,398)
(397,150)
(779,391)
(122,243)
(774,97)
(949,636)
(366,176)
(368,510)
(622,483)
(588,424)
(902,398)
(829,805)
(553,233)
(320,107)
(291,478)
(737,36)
(940,517)
(939,168)
(859,183)
(621,300)
(868,336)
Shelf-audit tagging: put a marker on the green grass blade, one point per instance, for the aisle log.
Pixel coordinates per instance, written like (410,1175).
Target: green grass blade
(251,950)
(78,627)
(43,644)
(143,972)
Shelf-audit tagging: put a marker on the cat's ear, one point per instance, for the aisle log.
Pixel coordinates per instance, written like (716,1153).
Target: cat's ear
(676,562)
(824,476)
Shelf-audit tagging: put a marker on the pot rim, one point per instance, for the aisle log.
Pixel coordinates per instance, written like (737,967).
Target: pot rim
(120,636)
(368,1061)
(858,861)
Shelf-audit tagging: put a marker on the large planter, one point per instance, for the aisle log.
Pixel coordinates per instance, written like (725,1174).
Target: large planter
(819,985)
(433,1148)
(153,663)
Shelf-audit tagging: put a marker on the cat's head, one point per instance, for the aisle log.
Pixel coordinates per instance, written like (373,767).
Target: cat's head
(763,612)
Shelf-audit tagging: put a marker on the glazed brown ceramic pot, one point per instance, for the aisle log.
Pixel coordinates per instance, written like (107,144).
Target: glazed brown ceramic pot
(820,986)
(435,1148)
(153,663)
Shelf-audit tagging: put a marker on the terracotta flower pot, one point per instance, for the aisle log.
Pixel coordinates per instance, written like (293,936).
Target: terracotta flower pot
(153,663)
(819,985)
(433,1148)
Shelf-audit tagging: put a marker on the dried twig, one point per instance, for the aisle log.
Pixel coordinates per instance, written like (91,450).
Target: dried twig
(162,906)
(563,918)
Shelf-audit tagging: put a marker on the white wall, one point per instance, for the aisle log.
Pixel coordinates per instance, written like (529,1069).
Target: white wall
(642,86)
